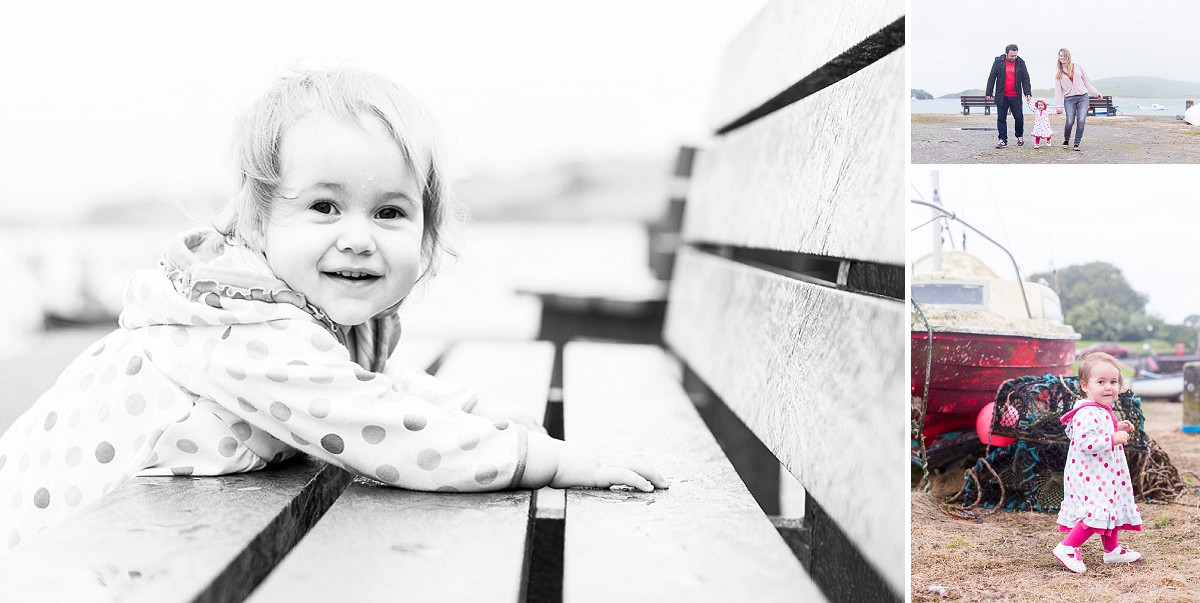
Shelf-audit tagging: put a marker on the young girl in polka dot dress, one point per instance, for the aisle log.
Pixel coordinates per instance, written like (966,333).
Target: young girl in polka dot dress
(268,337)
(1098,491)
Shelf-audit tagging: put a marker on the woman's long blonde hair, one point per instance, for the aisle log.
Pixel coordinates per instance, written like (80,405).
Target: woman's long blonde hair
(1058,65)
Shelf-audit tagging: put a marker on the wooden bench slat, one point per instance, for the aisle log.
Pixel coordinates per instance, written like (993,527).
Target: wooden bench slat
(820,176)
(704,538)
(170,538)
(818,374)
(788,40)
(385,543)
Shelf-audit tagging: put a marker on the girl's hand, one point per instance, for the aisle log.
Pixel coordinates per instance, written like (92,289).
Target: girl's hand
(1058,111)
(1120,438)
(583,467)
(1125,426)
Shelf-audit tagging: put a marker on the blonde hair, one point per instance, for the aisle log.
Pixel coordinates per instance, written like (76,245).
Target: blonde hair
(1058,65)
(1089,362)
(344,93)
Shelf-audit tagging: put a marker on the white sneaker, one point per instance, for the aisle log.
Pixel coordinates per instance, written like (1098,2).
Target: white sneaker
(1070,558)
(1122,555)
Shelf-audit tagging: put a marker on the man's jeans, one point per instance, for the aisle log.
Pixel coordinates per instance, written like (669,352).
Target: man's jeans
(1076,108)
(1003,105)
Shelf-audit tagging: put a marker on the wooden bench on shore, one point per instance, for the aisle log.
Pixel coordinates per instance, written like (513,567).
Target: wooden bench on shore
(976,101)
(1104,102)
(783,326)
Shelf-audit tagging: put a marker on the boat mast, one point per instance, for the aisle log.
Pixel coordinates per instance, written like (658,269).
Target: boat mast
(937,224)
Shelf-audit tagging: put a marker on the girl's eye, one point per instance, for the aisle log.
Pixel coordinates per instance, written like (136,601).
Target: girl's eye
(389,213)
(322,207)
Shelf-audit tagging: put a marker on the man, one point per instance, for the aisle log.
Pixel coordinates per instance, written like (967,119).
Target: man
(1010,78)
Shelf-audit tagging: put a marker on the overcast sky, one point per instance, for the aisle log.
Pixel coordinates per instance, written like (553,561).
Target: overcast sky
(1145,220)
(103,100)
(952,44)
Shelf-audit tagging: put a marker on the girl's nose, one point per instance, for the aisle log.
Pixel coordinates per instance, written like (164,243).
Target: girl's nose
(356,236)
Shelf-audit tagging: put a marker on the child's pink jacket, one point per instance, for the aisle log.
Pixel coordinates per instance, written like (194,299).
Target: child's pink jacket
(1097,489)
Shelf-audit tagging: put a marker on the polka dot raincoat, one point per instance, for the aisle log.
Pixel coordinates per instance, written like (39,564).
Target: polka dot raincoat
(219,368)
(1096,485)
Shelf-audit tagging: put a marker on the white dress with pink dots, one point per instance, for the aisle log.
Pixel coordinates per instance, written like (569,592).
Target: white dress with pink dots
(1097,488)
(219,368)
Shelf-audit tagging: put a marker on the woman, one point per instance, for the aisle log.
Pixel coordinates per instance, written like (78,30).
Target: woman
(1071,90)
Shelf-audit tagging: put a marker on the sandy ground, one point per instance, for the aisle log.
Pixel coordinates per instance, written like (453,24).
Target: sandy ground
(1007,556)
(1117,139)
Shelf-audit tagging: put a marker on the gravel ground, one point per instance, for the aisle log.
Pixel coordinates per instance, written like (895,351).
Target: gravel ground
(1007,556)
(1117,139)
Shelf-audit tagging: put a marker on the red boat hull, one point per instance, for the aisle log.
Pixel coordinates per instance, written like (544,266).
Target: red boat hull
(968,369)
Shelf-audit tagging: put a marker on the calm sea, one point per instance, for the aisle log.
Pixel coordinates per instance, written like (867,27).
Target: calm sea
(1125,106)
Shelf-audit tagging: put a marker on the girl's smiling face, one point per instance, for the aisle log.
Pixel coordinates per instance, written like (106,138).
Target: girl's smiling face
(1103,384)
(345,229)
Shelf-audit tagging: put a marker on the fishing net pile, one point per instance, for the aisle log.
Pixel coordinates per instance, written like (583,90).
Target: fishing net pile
(1027,475)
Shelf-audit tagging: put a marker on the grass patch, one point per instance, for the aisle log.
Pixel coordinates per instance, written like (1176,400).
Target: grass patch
(1162,521)
(957,542)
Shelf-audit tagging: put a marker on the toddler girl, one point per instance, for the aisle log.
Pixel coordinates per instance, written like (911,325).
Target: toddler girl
(269,336)
(1041,123)
(1098,490)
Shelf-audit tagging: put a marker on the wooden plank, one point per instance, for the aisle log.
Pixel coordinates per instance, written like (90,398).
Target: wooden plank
(381,543)
(822,176)
(787,41)
(175,539)
(704,538)
(819,375)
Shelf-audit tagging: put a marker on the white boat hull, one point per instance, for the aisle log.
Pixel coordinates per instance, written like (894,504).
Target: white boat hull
(1161,387)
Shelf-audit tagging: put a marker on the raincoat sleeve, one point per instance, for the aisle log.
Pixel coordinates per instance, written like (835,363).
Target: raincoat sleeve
(1091,431)
(421,384)
(293,380)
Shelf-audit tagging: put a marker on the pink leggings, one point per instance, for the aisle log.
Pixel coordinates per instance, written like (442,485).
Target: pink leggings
(1081,532)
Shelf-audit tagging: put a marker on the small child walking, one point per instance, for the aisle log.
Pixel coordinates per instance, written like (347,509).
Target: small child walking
(270,335)
(1041,123)
(1097,488)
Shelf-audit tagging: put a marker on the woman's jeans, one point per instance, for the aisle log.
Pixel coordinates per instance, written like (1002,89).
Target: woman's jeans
(1076,108)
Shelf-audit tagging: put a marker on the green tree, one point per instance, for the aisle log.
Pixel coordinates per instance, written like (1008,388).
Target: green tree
(1076,285)
(1099,320)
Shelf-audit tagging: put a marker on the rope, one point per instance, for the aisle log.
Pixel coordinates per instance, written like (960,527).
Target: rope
(919,428)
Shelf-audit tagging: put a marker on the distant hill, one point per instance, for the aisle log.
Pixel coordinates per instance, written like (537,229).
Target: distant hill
(920,94)
(574,191)
(1134,86)
(1147,87)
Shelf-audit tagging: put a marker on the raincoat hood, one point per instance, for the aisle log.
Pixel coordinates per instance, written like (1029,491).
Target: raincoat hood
(207,279)
(1082,404)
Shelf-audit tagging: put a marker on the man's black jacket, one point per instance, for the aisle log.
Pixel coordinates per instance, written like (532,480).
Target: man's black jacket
(998,76)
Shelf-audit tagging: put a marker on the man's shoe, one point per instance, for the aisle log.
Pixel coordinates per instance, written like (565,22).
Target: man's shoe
(1122,555)
(1020,141)
(1001,144)
(1070,558)
(1066,145)
(1076,148)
